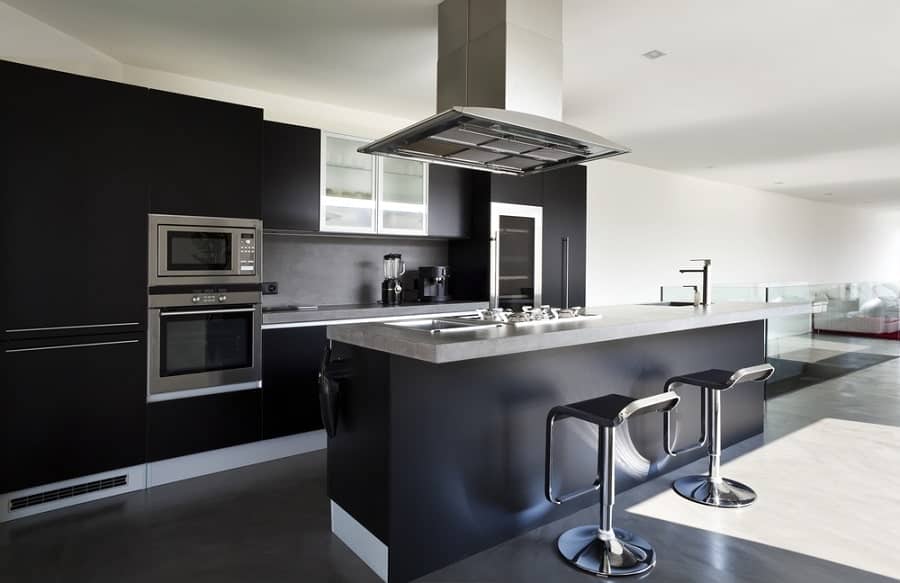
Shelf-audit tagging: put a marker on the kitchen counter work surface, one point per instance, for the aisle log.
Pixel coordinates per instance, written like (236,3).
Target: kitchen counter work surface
(331,313)
(618,322)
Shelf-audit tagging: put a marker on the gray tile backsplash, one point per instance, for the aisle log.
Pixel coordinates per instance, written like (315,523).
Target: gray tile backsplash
(320,270)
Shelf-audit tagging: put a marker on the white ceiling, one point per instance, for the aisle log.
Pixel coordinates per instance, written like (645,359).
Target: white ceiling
(801,92)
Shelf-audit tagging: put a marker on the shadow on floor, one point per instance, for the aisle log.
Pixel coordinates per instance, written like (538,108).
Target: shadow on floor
(792,375)
(685,555)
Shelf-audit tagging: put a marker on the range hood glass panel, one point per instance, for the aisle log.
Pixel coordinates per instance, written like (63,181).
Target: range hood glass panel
(508,146)
(434,147)
(559,144)
(478,156)
(463,136)
(550,155)
(519,163)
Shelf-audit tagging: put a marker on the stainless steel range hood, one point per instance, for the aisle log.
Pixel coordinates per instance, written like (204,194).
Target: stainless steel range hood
(499,83)
(498,140)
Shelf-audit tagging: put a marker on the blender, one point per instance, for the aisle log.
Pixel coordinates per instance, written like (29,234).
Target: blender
(391,290)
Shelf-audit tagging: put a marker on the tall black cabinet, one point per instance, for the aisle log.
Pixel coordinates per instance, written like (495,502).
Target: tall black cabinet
(74,203)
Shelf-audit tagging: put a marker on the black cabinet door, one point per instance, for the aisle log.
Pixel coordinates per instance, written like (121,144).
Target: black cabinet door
(196,424)
(450,192)
(291,359)
(565,210)
(292,167)
(73,212)
(206,157)
(518,189)
(72,408)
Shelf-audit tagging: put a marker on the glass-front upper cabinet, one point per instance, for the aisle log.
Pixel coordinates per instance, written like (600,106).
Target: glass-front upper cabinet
(348,190)
(362,193)
(403,197)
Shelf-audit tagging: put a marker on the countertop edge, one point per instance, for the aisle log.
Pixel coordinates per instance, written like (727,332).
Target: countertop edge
(399,343)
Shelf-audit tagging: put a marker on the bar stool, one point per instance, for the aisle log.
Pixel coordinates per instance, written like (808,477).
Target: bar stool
(600,549)
(712,489)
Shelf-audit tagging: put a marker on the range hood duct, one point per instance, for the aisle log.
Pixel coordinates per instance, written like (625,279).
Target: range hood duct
(499,94)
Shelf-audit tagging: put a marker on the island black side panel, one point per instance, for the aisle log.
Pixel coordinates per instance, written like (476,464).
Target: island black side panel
(358,477)
(206,157)
(467,438)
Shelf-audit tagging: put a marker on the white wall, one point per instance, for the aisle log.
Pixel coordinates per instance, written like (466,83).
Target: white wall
(24,39)
(644,224)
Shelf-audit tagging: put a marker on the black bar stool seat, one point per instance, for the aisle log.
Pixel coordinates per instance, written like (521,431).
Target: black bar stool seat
(599,548)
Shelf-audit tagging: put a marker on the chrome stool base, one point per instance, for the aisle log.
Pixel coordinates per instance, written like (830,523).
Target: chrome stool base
(722,493)
(627,554)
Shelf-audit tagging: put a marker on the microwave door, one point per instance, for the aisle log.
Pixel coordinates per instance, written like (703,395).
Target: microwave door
(196,251)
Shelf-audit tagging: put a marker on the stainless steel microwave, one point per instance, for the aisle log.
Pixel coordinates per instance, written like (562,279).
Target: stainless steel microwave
(203,250)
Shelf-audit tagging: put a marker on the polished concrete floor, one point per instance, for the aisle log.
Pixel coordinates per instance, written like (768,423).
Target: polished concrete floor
(826,471)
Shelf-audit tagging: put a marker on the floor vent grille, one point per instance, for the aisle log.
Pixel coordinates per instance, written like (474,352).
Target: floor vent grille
(67,492)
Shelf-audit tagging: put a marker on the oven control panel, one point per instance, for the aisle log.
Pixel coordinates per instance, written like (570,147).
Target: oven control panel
(209,299)
(247,254)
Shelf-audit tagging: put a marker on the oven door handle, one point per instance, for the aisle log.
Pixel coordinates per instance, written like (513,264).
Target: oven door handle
(203,312)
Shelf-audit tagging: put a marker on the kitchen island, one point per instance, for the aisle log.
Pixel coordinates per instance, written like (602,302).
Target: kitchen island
(439,446)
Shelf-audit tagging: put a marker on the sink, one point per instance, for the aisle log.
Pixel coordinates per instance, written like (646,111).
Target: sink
(443,325)
(670,304)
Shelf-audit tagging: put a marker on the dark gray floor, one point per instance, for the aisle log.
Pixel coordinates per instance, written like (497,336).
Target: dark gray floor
(270,523)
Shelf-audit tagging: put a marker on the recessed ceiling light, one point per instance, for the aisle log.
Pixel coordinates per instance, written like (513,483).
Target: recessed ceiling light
(828,194)
(711,166)
(779,182)
(654,54)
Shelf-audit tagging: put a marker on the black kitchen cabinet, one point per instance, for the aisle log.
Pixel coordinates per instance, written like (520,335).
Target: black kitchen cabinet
(292,168)
(565,210)
(450,194)
(291,358)
(206,156)
(196,424)
(71,407)
(74,203)
(518,189)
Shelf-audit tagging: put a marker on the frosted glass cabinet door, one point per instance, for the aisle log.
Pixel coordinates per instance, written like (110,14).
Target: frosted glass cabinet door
(404,181)
(348,174)
(403,197)
(349,186)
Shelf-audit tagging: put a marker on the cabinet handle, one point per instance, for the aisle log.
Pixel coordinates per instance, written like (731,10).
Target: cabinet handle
(84,345)
(74,327)
(204,312)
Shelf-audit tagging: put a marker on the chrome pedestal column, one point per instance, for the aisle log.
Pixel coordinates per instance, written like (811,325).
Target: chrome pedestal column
(602,549)
(712,489)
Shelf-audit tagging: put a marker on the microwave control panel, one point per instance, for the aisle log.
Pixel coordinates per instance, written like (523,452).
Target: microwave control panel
(247,254)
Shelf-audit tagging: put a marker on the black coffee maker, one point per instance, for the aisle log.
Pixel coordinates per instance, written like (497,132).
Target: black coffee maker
(391,290)
(433,283)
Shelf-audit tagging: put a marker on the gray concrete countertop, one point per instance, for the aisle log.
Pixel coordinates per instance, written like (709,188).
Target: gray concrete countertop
(329,314)
(618,322)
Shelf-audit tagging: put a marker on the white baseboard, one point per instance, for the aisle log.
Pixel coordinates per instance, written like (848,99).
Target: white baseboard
(166,471)
(229,458)
(135,476)
(363,543)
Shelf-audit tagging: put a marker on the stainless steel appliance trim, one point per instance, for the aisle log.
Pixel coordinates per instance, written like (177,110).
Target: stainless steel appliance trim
(186,394)
(499,209)
(185,300)
(83,345)
(73,327)
(372,320)
(157,384)
(201,312)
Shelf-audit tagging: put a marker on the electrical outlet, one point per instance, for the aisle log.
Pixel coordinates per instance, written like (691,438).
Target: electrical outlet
(270,288)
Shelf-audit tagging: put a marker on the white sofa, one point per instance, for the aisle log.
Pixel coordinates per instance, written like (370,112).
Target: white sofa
(861,308)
